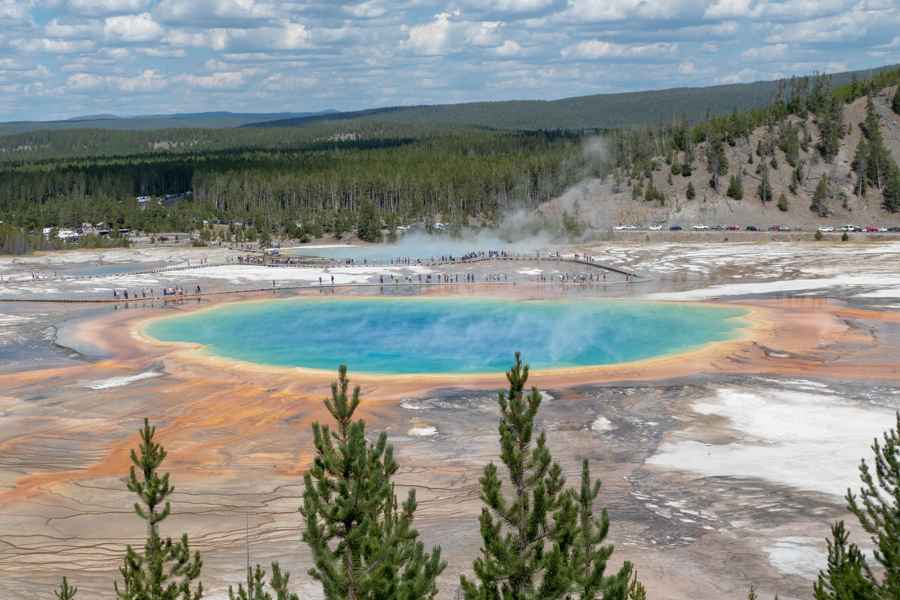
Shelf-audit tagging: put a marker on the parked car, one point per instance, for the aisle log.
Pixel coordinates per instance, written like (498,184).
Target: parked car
(752,228)
(700,228)
(849,228)
(675,228)
(773,227)
(871,229)
(894,229)
(733,228)
(826,229)
(625,228)
(656,228)
(785,228)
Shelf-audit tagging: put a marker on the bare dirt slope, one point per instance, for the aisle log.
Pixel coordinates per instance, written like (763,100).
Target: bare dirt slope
(601,207)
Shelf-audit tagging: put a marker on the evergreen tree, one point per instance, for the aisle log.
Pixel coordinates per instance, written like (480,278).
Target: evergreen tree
(166,570)
(819,205)
(783,205)
(524,552)
(690,193)
(878,509)
(590,554)
(765,188)
(256,586)
(543,542)
(65,591)
(895,103)
(844,576)
(892,191)
(363,544)
(369,224)
(735,187)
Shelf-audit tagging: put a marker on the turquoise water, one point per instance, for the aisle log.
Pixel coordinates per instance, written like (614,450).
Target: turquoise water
(470,335)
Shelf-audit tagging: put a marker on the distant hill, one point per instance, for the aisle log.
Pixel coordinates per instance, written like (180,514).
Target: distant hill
(601,111)
(204,120)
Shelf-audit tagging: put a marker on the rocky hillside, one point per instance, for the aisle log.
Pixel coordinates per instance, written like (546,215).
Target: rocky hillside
(602,204)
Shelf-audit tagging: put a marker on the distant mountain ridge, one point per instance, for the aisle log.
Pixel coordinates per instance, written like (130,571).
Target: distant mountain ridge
(200,120)
(599,111)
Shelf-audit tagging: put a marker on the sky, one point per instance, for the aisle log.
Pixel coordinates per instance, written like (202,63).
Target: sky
(65,58)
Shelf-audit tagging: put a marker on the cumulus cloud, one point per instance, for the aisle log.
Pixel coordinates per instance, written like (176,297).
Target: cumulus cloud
(598,49)
(229,80)
(105,7)
(773,52)
(232,13)
(52,46)
(150,80)
(449,32)
(132,28)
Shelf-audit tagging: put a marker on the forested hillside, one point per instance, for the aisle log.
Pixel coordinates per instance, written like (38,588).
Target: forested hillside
(142,122)
(595,112)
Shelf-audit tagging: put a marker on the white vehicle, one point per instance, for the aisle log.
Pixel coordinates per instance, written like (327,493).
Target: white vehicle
(849,228)
(826,229)
(656,228)
(625,228)
(700,228)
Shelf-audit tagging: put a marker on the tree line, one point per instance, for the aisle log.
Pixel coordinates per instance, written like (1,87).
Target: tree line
(456,176)
(541,539)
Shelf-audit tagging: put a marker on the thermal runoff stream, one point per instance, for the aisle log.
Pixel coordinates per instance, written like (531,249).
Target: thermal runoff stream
(447,335)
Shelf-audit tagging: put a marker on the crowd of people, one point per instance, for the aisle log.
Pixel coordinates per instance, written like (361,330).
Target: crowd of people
(144,293)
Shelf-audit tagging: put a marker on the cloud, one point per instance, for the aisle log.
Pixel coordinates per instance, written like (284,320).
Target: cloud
(597,49)
(621,10)
(687,68)
(448,33)
(230,80)
(132,28)
(56,28)
(52,46)
(230,13)
(150,80)
(767,53)
(105,7)
(510,48)
(372,9)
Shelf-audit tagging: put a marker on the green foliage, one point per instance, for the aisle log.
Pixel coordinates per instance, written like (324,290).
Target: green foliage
(735,187)
(878,510)
(166,570)
(368,226)
(543,541)
(820,197)
(844,577)
(764,191)
(65,591)
(590,553)
(783,205)
(691,193)
(573,227)
(895,103)
(256,586)
(364,546)
(891,200)
(818,236)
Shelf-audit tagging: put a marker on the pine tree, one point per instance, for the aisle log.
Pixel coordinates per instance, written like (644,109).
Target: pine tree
(166,570)
(783,205)
(735,187)
(256,586)
(765,188)
(363,544)
(895,103)
(878,509)
(369,223)
(590,554)
(690,193)
(524,552)
(820,196)
(892,191)
(844,576)
(65,591)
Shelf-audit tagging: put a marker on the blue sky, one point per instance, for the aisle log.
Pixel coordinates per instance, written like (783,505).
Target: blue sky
(61,58)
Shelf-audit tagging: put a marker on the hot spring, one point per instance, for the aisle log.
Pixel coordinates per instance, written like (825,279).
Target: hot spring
(447,335)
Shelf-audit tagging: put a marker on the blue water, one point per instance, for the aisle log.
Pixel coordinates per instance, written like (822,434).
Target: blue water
(425,335)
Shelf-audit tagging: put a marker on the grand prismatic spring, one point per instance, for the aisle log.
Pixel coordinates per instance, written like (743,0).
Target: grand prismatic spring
(434,335)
